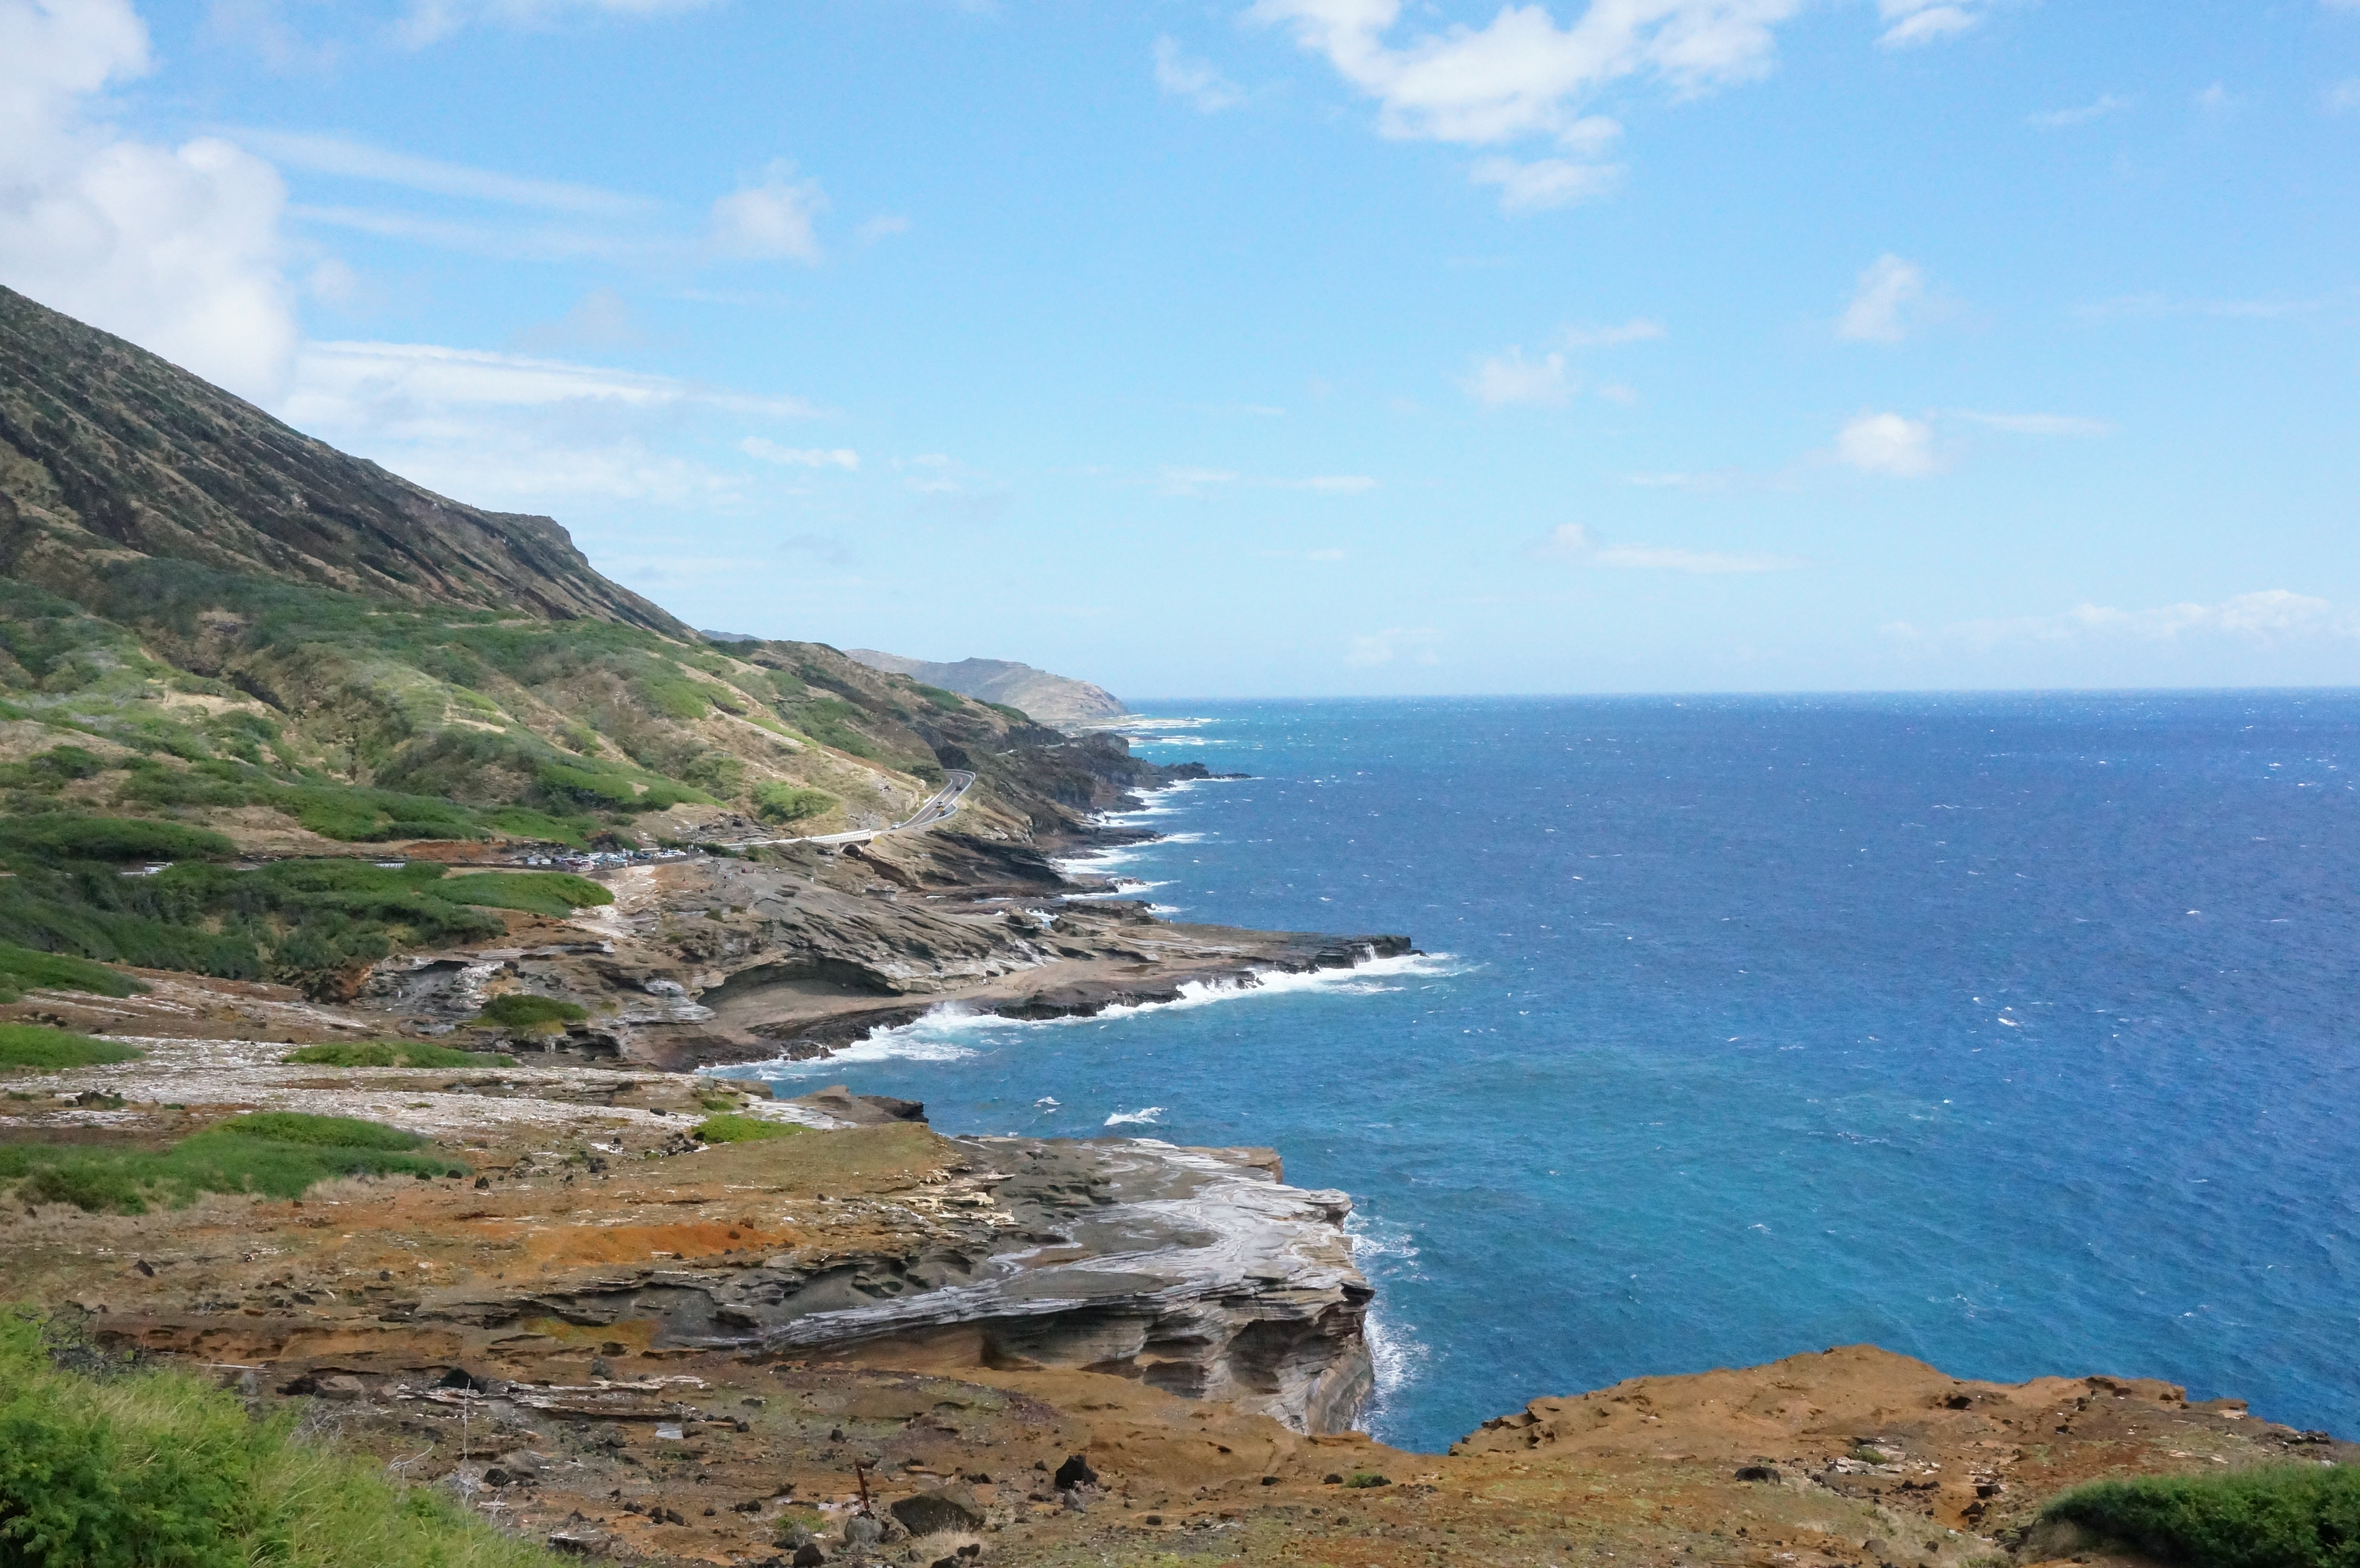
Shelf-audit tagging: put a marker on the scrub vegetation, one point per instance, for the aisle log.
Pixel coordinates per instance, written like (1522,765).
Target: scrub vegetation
(2278,1516)
(276,1154)
(103,1462)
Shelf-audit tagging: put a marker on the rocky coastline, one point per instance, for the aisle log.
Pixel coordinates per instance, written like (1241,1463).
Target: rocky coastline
(630,1341)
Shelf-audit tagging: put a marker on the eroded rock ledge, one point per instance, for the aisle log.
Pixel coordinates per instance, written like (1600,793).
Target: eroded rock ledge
(1196,1271)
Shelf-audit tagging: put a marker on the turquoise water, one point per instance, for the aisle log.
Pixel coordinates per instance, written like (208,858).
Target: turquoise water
(2016,1033)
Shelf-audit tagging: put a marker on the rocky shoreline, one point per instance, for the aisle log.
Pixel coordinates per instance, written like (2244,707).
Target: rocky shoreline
(640,1344)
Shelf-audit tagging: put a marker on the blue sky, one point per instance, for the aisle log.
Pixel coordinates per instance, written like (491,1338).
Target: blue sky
(1292,346)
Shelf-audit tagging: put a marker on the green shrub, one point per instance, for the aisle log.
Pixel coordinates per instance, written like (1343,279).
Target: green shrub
(555,893)
(579,786)
(23,969)
(2280,1516)
(51,1050)
(674,695)
(1360,1480)
(145,1467)
(530,1014)
(317,1132)
(829,721)
(516,822)
(391,1054)
(938,699)
(734,1128)
(278,1154)
(64,836)
(777,803)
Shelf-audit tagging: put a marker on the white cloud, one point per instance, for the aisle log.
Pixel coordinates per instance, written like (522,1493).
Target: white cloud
(1884,303)
(176,249)
(599,320)
(1193,82)
(359,160)
(499,429)
(1416,645)
(1544,183)
(1507,379)
(2039,424)
(336,379)
(506,240)
(430,21)
(1637,329)
(1182,481)
(1194,481)
(800,457)
(1520,74)
(2059,119)
(1912,23)
(1888,444)
(1571,541)
(772,221)
(2271,615)
(2217,100)
(261,26)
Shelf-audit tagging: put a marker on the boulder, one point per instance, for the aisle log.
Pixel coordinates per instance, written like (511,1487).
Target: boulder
(944,1508)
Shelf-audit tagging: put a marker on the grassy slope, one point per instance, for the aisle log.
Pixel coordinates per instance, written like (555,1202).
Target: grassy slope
(212,625)
(125,1466)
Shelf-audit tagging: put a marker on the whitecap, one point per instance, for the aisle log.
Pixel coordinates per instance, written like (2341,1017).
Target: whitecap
(1147,1118)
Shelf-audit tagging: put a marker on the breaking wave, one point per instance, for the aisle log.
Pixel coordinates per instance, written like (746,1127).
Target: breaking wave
(1386,1252)
(1148,1116)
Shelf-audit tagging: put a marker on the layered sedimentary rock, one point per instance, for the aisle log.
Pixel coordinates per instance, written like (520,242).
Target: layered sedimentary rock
(1196,1271)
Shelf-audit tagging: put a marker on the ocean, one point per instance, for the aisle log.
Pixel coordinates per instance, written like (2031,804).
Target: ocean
(2016,1033)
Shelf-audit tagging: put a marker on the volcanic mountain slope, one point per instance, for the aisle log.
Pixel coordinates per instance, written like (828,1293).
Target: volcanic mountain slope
(1050,699)
(211,621)
(110,451)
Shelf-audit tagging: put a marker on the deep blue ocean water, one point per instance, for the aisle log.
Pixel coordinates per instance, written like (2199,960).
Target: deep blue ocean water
(2017,1033)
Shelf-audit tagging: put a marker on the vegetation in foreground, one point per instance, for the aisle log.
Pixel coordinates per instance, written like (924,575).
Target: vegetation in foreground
(392,1053)
(110,1465)
(24,969)
(2278,1516)
(53,1050)
(300,922)
(733,1129)
(276,1154)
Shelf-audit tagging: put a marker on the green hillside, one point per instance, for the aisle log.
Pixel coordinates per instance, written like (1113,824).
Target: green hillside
(253,644)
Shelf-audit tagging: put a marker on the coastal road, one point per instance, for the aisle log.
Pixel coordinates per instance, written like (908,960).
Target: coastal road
(939,808)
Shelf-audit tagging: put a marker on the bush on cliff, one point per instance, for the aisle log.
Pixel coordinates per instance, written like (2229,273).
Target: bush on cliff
(275,1154)
(2279,1516)
(525,1013)
(111,1465)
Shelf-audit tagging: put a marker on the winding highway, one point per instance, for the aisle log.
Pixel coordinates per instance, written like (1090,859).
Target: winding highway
(939,807)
